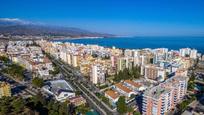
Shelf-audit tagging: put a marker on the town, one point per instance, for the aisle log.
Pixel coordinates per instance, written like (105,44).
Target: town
(60,78)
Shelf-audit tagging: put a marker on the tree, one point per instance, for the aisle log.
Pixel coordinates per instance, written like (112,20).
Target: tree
(50,103)
(55,71)
(38,82)
(82,109)
(63,109)
(136,113)
(4,59)
(18,105)
(78,92)
(15,71)
(127,73)
(4,109)
(121,105)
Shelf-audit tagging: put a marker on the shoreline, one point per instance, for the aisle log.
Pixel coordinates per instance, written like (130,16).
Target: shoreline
(141,43)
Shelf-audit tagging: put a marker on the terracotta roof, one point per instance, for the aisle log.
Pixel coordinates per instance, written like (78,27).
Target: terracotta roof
(133,83)
(124,88)
(112,94)
(46,60)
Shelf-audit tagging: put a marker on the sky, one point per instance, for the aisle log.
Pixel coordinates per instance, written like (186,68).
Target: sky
(120,17)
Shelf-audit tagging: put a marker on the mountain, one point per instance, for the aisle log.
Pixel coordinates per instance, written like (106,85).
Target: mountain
(21,27)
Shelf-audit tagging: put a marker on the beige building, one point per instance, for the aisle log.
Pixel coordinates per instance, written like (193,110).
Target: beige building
(5,89)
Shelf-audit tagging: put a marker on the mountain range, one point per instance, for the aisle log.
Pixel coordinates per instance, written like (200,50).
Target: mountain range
(20,27)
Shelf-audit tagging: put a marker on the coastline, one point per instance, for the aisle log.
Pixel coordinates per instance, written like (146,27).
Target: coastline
(172,43)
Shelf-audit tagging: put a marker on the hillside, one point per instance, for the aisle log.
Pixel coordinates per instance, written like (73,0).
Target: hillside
(18,27)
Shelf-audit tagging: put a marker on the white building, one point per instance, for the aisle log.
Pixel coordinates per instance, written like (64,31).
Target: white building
(193,54)
(97,74)
(112,95)
(124,90)
(74,60)
(184,52)
(60,89)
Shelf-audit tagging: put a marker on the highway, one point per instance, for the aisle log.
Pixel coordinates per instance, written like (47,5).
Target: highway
(79,82)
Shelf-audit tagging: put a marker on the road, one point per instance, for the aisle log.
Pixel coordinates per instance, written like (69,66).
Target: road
(198,81)
(17,87)
(79,82)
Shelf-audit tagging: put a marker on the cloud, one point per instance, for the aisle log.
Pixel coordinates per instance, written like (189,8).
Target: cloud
(10,19)
(15,20)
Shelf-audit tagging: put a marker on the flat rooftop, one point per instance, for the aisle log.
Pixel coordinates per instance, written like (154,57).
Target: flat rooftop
(60,84)
(156,92)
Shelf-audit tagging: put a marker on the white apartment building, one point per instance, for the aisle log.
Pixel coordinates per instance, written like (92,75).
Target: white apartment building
(97,74)
(193,54)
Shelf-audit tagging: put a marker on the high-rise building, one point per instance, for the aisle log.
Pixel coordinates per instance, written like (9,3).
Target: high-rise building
(128,53)
(164,97)
(154,73)
(143,60)
(184,52)
(74,60)
(69,59)
(97,74)
(113,61)
(63,56)
(5,89)
(122,63)
(136,61)
(193,54)
(150,72)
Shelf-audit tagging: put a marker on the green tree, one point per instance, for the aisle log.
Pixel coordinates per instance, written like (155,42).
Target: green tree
(52,112)
(38,82)
(121,105)
(55,71)
(18,105)
(82,109)
(4,59)
(63,109)
(50,103)
(4,109)
(136,113)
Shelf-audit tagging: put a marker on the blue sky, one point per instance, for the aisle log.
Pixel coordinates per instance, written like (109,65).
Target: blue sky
(121,17)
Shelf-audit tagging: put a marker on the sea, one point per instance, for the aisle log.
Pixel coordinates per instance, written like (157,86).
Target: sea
(172,43)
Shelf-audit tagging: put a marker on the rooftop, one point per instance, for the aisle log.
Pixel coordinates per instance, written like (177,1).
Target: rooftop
(133,83)
(57,86)
(112,94)
(156,92)
(124,88)
(3,84)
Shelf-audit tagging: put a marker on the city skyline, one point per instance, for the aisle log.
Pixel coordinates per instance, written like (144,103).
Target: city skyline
(102,57)
(131,18)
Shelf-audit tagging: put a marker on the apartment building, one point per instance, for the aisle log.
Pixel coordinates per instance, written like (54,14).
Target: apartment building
(97,74)
(160,99)
(5,89)
(153,72)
